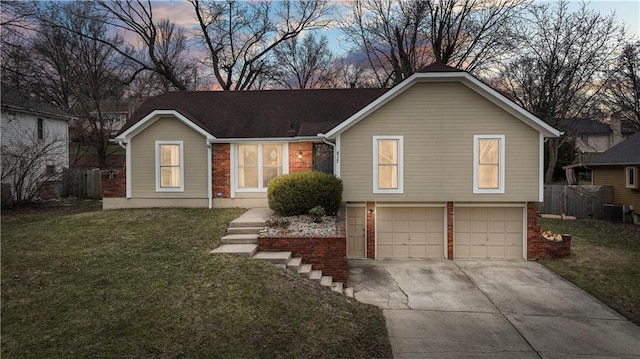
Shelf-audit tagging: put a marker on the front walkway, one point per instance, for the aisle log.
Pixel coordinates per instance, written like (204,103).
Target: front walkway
(489,309)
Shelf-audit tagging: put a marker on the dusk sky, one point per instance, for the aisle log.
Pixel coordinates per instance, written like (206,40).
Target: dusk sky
(627,11)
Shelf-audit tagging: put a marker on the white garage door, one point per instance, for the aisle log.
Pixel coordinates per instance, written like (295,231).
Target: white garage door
(404,233)
(488,233)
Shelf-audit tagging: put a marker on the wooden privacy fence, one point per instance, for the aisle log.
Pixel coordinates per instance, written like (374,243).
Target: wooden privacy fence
(82,183)
(579,201)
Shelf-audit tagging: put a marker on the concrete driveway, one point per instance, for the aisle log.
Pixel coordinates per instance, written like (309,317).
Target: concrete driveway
(489,309)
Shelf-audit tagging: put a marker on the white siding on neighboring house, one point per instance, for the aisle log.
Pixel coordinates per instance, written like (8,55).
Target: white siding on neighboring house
(20,130)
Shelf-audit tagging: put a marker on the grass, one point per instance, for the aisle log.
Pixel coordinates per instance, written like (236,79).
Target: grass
(605,261)
(140,283)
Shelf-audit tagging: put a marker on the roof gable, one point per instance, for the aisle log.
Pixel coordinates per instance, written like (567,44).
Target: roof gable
(624,153)
(443,73)
(153,116)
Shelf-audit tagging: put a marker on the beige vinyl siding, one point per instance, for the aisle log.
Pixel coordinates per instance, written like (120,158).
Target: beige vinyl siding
(615,176)
(143,160)
(438,122)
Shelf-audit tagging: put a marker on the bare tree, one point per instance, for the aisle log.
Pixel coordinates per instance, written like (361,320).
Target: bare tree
(623,88)
(559,71)
(163,47)
(240,36)
(303,63)
(79,70)
(400,36)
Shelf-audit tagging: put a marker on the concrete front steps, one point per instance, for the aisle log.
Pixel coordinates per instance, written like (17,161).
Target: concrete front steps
(242,240)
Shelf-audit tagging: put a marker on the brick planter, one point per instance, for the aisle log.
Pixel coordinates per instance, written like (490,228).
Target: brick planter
(328,254)
(553,250)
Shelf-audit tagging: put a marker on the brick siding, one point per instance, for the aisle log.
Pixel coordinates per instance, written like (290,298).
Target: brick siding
(449,230)
(371,230)
(304,164)
(221,170)
(539,247)
(114,183)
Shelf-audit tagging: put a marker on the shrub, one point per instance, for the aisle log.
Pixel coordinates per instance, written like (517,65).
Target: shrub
(297,193)
(317,213)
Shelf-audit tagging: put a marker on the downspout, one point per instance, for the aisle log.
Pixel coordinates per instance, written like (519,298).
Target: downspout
(209,169)
(333,145)
(127,163)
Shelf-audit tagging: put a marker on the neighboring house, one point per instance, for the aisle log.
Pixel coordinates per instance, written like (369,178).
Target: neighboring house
(440,166)
(115,113)
(593,137)
(35,143)
(618,167)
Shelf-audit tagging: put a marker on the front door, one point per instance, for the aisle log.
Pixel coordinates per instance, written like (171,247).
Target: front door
(355,232)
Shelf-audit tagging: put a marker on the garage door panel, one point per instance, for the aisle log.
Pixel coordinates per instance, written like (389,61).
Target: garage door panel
(418,238)
(492,232)
(514,227)
(513,239)
(513,252)
(401,225)
(414,232)
(418,226)
(385,250)
(480,226)
(495,252)
(385,238)
(496,239)
(495,214)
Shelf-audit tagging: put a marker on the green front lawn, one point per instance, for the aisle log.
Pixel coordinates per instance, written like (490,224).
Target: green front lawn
(141,283)
(605,261)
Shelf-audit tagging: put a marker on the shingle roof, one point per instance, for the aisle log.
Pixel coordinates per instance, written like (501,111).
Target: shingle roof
(438,67)
(261,114)
(624,153)
(585,126)
(10,97)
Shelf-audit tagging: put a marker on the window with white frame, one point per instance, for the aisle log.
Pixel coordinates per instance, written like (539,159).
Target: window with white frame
(387,164)
(258,164)
(488,164)
(169,166)
(631,177)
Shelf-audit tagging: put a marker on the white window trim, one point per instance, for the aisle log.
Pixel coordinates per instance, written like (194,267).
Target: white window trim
(501,164)
(285,166)
(400,188)
(157,164)
(627,177)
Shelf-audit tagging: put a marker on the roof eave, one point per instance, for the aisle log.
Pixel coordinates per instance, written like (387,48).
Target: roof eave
(36,112)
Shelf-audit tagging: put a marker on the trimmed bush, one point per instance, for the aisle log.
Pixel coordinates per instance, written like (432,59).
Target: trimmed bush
(298,192)
(317,213)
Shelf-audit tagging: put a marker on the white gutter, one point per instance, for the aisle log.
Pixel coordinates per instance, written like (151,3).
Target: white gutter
(266,139)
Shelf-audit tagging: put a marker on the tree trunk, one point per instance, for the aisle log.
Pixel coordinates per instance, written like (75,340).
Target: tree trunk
(552,150)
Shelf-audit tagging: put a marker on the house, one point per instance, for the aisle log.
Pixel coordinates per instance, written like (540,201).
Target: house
(440,166)
(592,137)
(35,144)
(114,114)
(618,167)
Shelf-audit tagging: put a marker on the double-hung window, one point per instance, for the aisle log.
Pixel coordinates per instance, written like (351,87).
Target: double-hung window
(387,164)
(631,177)
(258,164)
(169,166)
(488,164)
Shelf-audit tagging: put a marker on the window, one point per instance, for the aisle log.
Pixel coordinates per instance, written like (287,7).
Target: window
(387,164)
(488,160)
(40,129)
(169,166)
(631,174)
(258,164)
